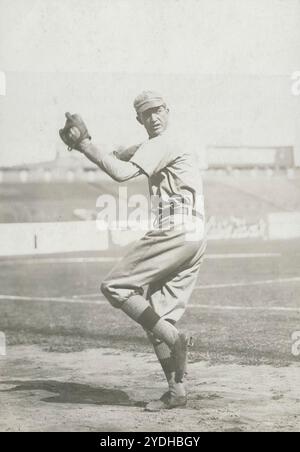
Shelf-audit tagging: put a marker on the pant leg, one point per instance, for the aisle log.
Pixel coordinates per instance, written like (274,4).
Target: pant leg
(158,256)
(169,298)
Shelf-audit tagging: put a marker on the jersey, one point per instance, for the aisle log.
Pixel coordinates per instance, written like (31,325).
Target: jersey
(173,173)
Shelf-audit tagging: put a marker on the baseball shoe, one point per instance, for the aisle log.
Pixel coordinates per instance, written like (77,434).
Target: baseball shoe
(167,402)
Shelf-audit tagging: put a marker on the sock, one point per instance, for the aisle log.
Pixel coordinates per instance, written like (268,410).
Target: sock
(177,389)
(164,357)
(167,363)
(138,309)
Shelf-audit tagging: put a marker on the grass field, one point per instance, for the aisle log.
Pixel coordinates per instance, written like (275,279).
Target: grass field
(66,345)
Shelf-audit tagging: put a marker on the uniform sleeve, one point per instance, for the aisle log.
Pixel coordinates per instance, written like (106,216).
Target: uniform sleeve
(125,154)
(117,169)
(152,157)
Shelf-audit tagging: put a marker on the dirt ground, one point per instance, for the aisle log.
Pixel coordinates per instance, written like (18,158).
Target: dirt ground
(106,390)
(74,363)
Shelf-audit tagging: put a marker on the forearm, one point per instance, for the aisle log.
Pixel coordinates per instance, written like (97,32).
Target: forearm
(119,170)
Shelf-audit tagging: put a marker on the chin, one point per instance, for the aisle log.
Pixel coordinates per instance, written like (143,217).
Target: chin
(156,133)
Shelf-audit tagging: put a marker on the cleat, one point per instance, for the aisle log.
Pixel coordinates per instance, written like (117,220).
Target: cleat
(167,402)
(157,405)
(177,402)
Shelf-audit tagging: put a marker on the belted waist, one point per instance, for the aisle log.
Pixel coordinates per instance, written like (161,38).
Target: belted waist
(177,207)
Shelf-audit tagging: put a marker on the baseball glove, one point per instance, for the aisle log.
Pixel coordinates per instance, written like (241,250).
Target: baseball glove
(74,132)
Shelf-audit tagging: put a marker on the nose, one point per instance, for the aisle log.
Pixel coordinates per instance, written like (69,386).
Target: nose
(154,116)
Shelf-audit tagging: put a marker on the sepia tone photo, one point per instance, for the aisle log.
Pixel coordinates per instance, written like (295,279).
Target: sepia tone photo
(149,216)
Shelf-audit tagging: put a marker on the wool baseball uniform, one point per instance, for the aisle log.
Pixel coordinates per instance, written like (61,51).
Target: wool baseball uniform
(164,264)
(155,279)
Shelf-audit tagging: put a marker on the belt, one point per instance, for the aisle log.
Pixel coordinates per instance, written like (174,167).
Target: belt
(171,211)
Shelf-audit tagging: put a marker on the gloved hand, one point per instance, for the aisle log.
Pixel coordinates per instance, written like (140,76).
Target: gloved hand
(74,132)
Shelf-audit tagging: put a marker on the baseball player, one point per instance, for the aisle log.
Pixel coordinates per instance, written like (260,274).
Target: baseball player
(155,279)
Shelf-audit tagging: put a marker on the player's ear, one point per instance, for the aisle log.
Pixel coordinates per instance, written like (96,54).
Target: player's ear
(139,120)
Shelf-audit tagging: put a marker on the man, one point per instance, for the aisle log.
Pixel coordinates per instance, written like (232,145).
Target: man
(167,259)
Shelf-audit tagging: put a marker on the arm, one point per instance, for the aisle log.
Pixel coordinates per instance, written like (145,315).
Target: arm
(125,154)
(118,170)
(76,136)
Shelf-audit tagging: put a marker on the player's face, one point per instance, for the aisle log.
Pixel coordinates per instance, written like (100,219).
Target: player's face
(155,120)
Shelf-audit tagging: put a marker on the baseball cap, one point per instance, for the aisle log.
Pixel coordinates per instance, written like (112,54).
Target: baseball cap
(146,100)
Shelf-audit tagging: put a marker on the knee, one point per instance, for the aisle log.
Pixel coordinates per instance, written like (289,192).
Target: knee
(115,295)
(108,292)
(105,289)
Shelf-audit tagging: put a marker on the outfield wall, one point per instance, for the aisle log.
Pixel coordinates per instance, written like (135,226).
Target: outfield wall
(46,238)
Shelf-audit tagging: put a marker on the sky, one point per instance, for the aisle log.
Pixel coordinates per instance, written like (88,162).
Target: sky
(225,67)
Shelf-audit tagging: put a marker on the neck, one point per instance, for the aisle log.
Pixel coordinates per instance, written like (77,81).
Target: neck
(156,136)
